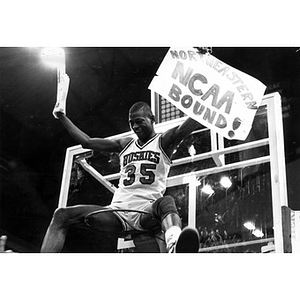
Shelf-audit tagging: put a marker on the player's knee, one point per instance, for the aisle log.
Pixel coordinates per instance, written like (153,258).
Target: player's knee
(91,219)
(164,206)
(60,215)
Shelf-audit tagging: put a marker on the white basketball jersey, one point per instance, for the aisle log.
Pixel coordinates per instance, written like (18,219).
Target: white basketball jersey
(144,171)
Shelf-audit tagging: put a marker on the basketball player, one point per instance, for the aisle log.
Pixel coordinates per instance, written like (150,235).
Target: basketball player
(145,163)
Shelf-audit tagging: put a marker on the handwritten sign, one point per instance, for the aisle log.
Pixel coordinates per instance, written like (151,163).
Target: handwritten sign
(210,91)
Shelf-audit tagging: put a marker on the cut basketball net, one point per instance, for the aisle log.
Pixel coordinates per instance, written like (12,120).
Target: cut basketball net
(55,57)
(62,92)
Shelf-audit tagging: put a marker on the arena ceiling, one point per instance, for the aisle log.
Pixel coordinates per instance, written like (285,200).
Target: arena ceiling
(105,82)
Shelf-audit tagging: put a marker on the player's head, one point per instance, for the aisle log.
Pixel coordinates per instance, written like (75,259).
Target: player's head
(141,120)
(142,107)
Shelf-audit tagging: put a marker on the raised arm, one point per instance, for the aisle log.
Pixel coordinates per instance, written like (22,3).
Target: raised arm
(59,112)
(101,144)
(174,136)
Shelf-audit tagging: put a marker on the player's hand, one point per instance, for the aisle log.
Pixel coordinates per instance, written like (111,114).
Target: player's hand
(204,50)
(62,92)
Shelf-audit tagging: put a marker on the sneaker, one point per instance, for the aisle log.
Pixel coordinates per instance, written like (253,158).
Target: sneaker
(188,241)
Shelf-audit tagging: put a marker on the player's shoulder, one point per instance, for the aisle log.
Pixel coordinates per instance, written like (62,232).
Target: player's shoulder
(168,141)
(169,135)
(123,142)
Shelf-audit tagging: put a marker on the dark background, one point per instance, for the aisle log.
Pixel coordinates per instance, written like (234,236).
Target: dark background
(105,82)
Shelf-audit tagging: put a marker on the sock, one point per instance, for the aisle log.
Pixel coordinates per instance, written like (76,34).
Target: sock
(171,235)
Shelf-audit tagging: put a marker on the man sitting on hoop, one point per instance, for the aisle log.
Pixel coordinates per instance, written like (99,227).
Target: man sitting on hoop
(145,163)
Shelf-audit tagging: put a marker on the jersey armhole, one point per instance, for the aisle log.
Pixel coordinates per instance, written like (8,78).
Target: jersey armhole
(126,146)
(167,158)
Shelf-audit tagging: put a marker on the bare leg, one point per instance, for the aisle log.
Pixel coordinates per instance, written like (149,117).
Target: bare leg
(165,209)
(170,220)
(62,218)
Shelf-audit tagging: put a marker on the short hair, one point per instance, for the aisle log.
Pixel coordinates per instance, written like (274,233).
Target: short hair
(141,106)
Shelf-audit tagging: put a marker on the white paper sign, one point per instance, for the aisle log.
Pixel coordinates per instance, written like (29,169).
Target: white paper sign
(208,90)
